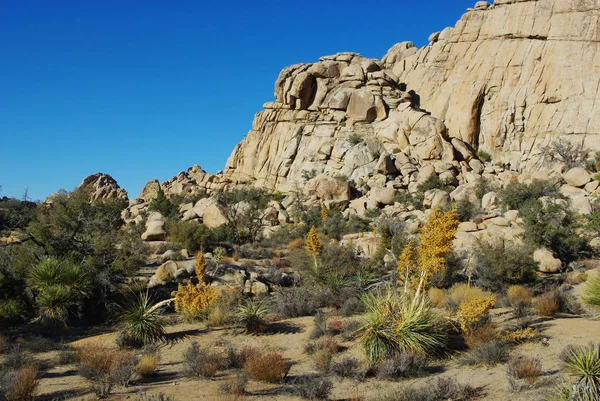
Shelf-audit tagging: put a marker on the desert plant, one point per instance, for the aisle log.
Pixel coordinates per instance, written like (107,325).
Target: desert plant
(147,365)
(396,323)
(20,384)
(320,328)
(251,315)
(522,335)
(322,360)
(519,294)
(523,370)
(437,297)
(499,265)
(484,156)
(584,364)
(472,314)
(442,389)
(354,139)
(482,335)
(143,323)
(200,266)
(296,301)
(547,304)
(104,368)
(193,301)
(417,264)
(592,291)
(236,385)
(402,365)
(154,397)
(462,292)
(311,387)
(313,246)
(269,368)
(67,356)
(346,367)
(201,362)
(490,353)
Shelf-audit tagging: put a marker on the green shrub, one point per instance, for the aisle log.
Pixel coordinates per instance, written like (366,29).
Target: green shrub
(162,204)
(296,301)
(484,156)
(395,323)
(354,139)
(467,210)
(143,323)
(192,235)
(499,266)
(515,194)
(592,291)
(251,315)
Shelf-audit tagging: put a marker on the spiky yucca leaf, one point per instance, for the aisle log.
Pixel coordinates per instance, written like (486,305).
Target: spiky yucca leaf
(418,328)
(584,363)
(143,322)
(251,314)
(592,291)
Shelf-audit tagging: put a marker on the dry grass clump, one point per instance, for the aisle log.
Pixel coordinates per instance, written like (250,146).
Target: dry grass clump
(322,361)
(312,387)
(236,385)
(592,291)
(104,368)
(462,292)
(402,365)
(441,390)
(547,304)
(575,278)
(437,297)
(201,362)
(519,294)
(297,243)
(20,384)
(147,365)
(523,372)
(347,367)
(489,354)
(269,368)
(482,335)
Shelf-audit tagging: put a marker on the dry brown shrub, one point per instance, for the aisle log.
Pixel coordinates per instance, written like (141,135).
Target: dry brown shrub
(298,243)
(22,384)
(547,304)
(523,368)
(322,360)
(519,294)
(247,353)
(461,292)
(576,278)
(147,366)
(228,260)
(482,335)
(269,368)
(236,256)
(437,297)
(329,344)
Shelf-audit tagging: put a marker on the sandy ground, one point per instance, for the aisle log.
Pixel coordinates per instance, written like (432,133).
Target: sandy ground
(63,383)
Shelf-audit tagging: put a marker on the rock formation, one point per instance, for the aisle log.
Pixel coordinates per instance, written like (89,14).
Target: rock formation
(512,77)
(103,186)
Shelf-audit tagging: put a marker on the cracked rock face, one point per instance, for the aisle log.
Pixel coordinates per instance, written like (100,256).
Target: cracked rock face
(103,186)
(512,77)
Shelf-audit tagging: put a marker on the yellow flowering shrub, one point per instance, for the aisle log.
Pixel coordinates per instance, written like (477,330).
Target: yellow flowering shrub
(193,300)
(200,265)
(522,335)
(470,313)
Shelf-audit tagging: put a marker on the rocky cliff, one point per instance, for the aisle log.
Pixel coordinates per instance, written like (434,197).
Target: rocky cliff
(512,77)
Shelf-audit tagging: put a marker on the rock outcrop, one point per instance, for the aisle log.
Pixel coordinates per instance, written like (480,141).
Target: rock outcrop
(103,186)
(511,78)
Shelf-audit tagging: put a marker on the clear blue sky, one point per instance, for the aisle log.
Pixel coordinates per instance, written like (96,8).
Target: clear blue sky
(145,89)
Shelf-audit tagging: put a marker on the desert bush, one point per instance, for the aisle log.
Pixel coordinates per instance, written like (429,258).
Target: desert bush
(520,299)
(20,384)
(346,367)
(104,368)
(251,315)
(322,360)
(147,365)
(396,323)
(474,313)
(462,292)
(193,301)
(236,385)
(515,194)
(467,210)
(402,365)
(162,204)
(490,353)
(522,371)
(154,397)
(143,323)
(67,356)
(320,321)
(570,153)
(484,156)
(201,362)
(351,306)
(269,368)
(223,311)
(16,357)
(482,335)
(296,301)
(522,335)
(592,291)
(3,343)
(437,297)
(569,303)
(442,389)
(499,265)
(584,364)
(312,387)
(547,304)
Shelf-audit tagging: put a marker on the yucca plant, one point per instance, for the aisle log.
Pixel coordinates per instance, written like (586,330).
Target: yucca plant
(584,363)
(251,314)
(60,287)
(399,323)
(592,291)
(143,322)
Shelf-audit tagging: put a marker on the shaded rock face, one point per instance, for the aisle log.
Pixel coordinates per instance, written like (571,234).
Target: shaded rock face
(334,117)
(103,186)
(511,78)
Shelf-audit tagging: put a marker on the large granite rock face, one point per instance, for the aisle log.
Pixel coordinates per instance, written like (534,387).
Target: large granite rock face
(334,117)
(511,78)
(103,186)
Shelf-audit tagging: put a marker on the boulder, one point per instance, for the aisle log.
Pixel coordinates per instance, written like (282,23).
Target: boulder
(384,196)
(214,216)
(436,198)
(546,261)
(155,231)
(489,201)
(325,187)
(577,177)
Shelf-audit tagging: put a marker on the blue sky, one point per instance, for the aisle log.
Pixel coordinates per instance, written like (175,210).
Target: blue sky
(145,89)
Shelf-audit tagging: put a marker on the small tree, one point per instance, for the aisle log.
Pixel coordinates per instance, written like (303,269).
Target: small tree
(314,246)
(162,204)
(418,264)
